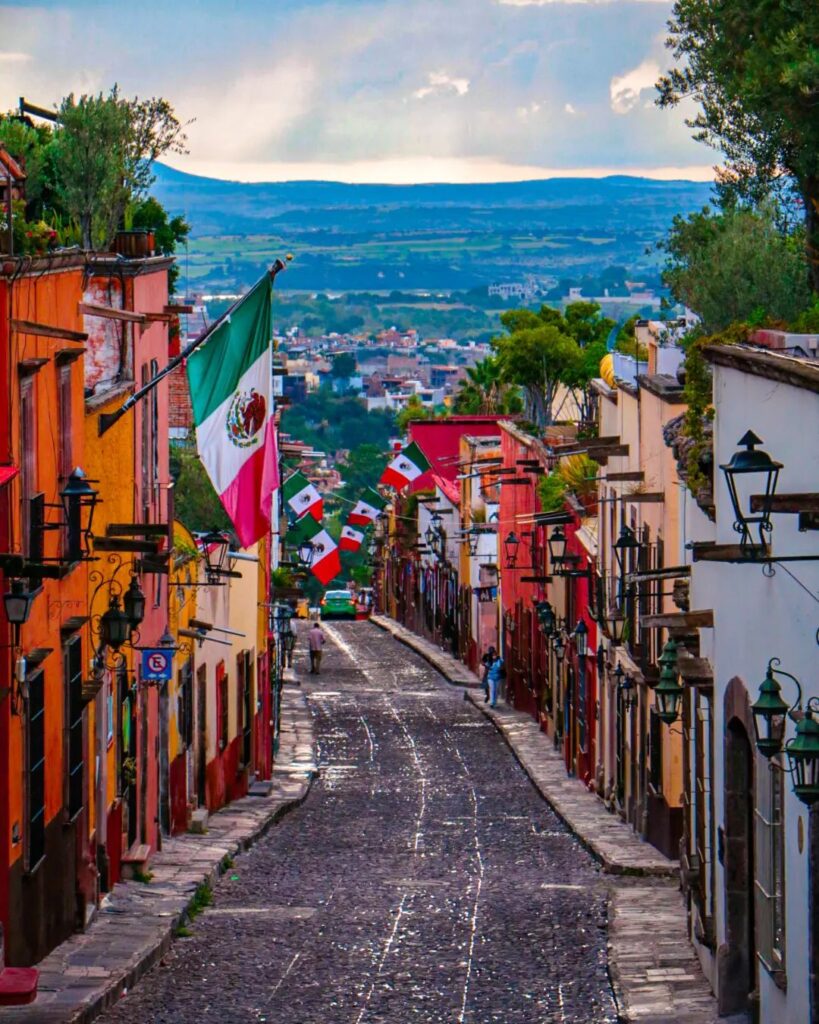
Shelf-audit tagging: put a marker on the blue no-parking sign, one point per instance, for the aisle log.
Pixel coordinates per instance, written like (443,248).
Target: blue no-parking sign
(157,664)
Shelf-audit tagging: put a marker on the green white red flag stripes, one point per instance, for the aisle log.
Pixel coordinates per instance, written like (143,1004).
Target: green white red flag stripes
(230,380)
(407,466)
(351,539)
(367,508)
(326,560)
(302,497)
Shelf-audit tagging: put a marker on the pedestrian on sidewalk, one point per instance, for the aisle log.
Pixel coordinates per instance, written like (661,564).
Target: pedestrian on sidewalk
(486,661)
(316,641)
(495,675)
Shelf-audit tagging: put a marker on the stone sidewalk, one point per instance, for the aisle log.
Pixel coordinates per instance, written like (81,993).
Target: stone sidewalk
(655,974)
(136,923)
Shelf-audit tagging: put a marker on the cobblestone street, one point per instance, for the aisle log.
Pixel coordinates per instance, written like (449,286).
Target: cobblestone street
(423,879)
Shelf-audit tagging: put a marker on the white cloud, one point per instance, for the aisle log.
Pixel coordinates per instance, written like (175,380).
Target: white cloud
(548,3)
(569,109)
(625,90)
(14,58)
(529,111)
(441,82)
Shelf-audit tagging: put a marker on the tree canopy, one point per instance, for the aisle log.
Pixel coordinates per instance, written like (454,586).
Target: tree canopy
(751,66)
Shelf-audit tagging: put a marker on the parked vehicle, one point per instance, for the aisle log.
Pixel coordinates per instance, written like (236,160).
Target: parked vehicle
(365,600)
(338,604)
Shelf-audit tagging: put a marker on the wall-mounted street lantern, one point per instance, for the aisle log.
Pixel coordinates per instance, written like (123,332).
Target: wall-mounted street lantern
(76,497)
(745,467)
(18,602)
(473,539)
(581,637)
(626,542)
(510,549)
(304,553)
(668,692)
(770,718)
(615,624)
(115,626)
(625,688)
(546,617)
(215,546)
(133,603)
(557,546)
(559,648)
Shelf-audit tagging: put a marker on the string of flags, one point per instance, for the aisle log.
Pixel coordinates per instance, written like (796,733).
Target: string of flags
(305,506)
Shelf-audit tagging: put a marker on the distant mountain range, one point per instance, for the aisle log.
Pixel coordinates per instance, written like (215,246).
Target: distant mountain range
(421,236)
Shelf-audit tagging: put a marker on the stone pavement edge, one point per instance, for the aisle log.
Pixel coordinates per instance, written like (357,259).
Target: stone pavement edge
(135,925)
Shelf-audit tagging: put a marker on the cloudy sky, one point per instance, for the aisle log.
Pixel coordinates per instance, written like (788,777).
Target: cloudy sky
(373,90)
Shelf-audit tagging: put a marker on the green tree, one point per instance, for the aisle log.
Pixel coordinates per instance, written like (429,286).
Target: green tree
(196,503)
(484,391)
(104,151)
(169,232)
(752,67)
(413,410)
(736,265)
(344,365)
(361,469)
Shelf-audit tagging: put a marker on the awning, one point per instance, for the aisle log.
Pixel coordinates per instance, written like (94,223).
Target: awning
(8,473)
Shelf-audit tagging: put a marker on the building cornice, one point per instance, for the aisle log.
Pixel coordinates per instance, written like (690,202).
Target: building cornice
(799,373)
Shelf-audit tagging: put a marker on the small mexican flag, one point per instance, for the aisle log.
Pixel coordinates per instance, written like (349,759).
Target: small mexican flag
(302,497)
(351,540)
(326,563)
(230,378)
(408,465)
(367,508)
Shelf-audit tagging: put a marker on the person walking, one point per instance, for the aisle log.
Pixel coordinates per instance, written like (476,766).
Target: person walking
(486,661)
(316,642)
(495,674)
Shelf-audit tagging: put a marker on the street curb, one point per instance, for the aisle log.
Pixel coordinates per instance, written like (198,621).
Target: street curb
(297,721)
(408,639)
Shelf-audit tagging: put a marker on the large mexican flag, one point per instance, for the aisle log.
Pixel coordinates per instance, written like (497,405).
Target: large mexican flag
(230,378)
(407,466)
(351,539)
(367,508)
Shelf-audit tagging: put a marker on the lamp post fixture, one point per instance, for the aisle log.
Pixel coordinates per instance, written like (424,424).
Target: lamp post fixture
(559,648)
(668,692)
(473,538)
(749,463)
(557,546)
(770,711)
(133,603)
(304,553)
(625,687)
(78,494)
(115,626)
(215,545)
(18,602)
(615,625)
(626,542)
(546,617)
(510,549)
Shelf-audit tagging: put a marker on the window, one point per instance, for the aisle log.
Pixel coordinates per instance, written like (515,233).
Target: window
(770,869)
(154,432)
(655,752)
(28,458)
(704,813)
(244,666)
(222,691)
(185,706)
(35,772)
(75,764)
(66,437)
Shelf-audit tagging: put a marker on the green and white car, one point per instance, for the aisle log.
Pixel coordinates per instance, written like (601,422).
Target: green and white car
(338,604)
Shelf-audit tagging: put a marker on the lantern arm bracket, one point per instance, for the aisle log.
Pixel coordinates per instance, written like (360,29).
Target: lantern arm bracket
(795,711)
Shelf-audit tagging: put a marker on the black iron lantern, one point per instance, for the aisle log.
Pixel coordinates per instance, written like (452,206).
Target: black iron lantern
(557,545)
(625,687)
(668,692)
(581,637)
(510,549)
(559,648)
(615,624)
(546,617)
(304,553)
(215,545)
(18,602)
(803,759)
(752,465)
(472,538)
(133,603)
(115,626)
(770,713)
(77,495)
(626,542)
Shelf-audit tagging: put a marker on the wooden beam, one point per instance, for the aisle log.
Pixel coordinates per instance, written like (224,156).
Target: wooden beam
(783,503)
(109,313)
(159,318)
(136,530)
(709,552)
(672,620)
(609,452)
(64,356)
(657,497)
(177,309)
(148,547)
(633,476)
(47,331)
(808,521)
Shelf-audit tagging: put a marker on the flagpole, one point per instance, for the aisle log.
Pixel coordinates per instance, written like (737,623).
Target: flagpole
(108,419)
